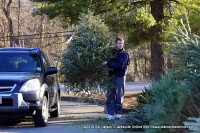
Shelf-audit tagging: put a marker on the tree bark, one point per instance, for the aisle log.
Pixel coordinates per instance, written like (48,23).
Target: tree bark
(157,60)
(6,11)
(18,21)
(135,67)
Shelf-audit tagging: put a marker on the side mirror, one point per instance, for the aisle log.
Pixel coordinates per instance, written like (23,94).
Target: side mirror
(51,70)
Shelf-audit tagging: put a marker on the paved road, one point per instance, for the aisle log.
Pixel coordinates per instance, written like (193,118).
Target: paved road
(134,87)
(75,117)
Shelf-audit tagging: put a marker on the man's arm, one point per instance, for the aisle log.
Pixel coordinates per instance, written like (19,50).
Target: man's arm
(119,63)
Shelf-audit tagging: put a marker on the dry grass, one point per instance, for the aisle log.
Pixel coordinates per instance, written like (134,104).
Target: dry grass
(130,99)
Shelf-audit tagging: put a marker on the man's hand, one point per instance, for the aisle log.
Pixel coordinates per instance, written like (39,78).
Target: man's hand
(104,63)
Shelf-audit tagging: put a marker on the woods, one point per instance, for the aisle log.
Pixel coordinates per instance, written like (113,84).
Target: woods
(141,23)
(161,37)
(21,26)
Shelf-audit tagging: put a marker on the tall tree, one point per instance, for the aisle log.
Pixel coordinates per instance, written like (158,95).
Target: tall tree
(6,10)
(157,60)
(121,15)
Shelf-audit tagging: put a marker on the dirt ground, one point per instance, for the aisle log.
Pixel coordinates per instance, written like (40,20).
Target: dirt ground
(130,99)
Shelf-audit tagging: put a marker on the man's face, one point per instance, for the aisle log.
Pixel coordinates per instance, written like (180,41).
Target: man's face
(119,45)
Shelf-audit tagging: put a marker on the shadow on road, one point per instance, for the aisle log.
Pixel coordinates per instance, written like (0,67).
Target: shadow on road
(75,117)
(62,125)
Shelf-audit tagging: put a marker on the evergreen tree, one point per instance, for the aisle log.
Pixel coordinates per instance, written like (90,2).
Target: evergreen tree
(82,60)
(169,97)
(178,93)
(177,96)
(186,57)
(121,13)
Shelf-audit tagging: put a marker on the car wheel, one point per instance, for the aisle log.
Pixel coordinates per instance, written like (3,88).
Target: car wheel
(56,112)
(41,116)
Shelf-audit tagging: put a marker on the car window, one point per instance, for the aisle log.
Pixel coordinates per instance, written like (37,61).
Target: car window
(19,62)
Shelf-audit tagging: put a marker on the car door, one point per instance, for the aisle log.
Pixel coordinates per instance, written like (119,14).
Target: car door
(49,79)
(54,81)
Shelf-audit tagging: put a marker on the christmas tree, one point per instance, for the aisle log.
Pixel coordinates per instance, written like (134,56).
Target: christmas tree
(82,60)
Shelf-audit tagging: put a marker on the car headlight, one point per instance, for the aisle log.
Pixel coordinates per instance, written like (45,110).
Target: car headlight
(31,85)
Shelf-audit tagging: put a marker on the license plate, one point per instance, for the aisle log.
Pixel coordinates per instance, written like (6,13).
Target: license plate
(0,100)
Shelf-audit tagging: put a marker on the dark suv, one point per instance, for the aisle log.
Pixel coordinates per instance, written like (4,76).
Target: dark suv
(28,85)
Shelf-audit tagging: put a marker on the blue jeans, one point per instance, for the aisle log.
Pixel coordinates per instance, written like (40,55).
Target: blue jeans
(115,96)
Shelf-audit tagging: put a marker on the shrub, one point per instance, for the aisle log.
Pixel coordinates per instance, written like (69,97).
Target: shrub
(137,118)
(169,96)
(186,55)
(146,97)
(177,96)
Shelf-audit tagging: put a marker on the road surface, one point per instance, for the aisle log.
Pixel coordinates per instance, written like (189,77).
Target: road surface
(134,87)
(75,117)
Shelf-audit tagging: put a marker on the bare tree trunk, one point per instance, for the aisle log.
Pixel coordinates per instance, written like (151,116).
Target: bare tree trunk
(145,68)
(6,11)
(18,26)
(42,31)
(42,43)
(3,30)
(157,60)
(135,67)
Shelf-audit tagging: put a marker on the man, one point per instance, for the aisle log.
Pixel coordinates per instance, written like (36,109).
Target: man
(120,66)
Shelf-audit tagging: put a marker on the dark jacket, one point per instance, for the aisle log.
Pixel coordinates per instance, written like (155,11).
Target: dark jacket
(120,63)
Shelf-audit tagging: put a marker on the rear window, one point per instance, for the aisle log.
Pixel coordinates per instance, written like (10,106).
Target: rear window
(19,62)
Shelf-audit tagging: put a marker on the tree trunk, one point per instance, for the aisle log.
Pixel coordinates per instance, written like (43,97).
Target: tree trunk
(135,67)
(145,67)
(6,11)
(42,32)
(157,60)
(18,22)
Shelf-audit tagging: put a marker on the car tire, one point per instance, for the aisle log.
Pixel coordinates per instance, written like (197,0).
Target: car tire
(41,116)
(56,112)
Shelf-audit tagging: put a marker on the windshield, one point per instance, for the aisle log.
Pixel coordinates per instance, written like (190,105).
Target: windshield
(19,62)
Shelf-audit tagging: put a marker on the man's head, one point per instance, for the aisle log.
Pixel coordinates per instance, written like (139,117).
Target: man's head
(119,43)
